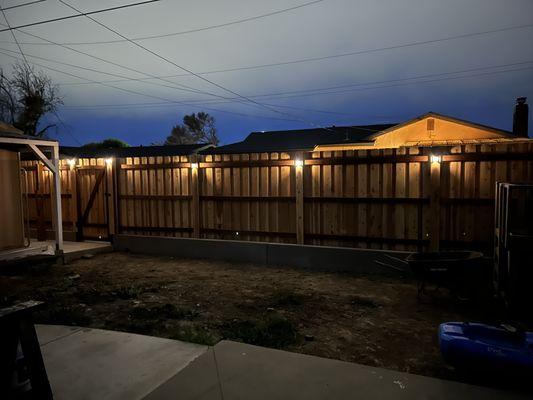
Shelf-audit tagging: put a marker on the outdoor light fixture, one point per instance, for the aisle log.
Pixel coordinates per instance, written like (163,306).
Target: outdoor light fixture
(298,163)
(71,162)
(194,165)
(435,159)
(108,161)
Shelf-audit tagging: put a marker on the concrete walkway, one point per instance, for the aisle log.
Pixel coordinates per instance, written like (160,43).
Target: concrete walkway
(96,364)
(231,371)
(106,365)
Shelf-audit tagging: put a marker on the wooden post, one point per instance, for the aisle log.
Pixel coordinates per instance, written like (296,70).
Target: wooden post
(116,193)
(110,196)
(299,171)
(195,191)
(73,196)
(56,199)
(39,202)
(434,205)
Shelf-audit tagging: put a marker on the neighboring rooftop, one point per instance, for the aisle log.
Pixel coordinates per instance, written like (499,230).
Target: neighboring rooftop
(133,151)
(301,139)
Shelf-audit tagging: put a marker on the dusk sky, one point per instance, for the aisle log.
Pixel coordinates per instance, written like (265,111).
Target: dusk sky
(343,62)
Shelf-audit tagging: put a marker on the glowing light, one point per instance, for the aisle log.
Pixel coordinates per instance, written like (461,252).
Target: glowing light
(108,161)
(194,165)
(298,163)
(71,162)
(435,159)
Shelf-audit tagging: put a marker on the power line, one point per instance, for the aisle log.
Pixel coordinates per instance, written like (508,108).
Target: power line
(327,90)
(24,4)
(14,36)
(183,68)
(141,38)
(332,56)
(405,84)
(178,87)
(77,16)
(174,102)
(124,78)
(132,105)
(205,28)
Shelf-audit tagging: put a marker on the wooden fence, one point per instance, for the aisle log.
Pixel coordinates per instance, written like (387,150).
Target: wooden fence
(383,199)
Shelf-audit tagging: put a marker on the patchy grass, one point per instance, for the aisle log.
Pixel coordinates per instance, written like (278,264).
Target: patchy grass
(162,312)
(284,298)
(64,315)
(195,334)
(371,320)
(363,301)
(271,331)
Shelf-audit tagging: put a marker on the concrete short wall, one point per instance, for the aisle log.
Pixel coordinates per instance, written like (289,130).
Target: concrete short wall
(322,258)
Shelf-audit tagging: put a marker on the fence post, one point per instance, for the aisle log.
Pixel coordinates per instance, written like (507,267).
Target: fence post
(73,195)
(434,203)
(195,206)
(298,169)
(117,162)
(111,165)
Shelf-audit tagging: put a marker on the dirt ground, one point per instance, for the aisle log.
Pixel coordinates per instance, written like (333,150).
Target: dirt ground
(370,320)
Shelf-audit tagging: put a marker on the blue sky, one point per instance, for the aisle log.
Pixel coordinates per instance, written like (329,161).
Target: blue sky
(391,79)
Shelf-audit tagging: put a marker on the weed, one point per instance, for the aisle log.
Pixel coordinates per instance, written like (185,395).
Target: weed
(363,301)
(194,334)
(63,315)
(127,292)
(287,298)
(161,312)
(272,331)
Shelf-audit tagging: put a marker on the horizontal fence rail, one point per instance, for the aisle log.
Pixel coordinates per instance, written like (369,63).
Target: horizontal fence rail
(398,199)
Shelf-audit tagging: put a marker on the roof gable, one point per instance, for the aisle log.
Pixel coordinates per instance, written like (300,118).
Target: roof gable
(301,139)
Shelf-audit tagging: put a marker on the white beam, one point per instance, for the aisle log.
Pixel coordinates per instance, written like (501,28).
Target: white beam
(43,157)
(57,197)
(37,142)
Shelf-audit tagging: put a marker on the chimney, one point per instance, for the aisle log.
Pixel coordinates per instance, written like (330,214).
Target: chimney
(520,117)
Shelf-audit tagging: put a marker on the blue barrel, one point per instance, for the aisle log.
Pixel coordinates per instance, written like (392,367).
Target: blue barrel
(486,347)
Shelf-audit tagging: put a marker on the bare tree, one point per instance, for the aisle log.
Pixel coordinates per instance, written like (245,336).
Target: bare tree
(26,97)
(196,128)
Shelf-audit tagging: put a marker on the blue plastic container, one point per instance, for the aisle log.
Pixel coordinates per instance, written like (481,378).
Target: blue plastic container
(485,347)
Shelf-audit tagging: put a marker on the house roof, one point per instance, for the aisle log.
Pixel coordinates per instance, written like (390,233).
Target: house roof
(7,130)
(300,139)
(451,119)
(133,151)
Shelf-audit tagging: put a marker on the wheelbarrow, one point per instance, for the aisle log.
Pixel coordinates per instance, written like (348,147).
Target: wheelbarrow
(455,270)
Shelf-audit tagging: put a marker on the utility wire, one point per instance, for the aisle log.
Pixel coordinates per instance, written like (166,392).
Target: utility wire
(141,38)
(339,55)
(124,78)
(24,4)
(205,28)
(406,84)
(317,91)
(177,86)
(323,93)
(77,16)
(188,70)
(14,36)
(174,102)
(276,94)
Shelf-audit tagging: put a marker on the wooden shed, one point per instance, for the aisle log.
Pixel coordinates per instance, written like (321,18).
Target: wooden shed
(13,232)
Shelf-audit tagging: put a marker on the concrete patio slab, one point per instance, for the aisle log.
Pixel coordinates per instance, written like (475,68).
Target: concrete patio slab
(98,364)
(231,371)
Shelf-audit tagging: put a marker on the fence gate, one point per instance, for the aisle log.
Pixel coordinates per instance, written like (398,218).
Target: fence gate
(92,199)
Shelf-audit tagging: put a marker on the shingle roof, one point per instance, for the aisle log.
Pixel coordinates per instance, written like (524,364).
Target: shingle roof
(7,130)
(300,139)
(133,151)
